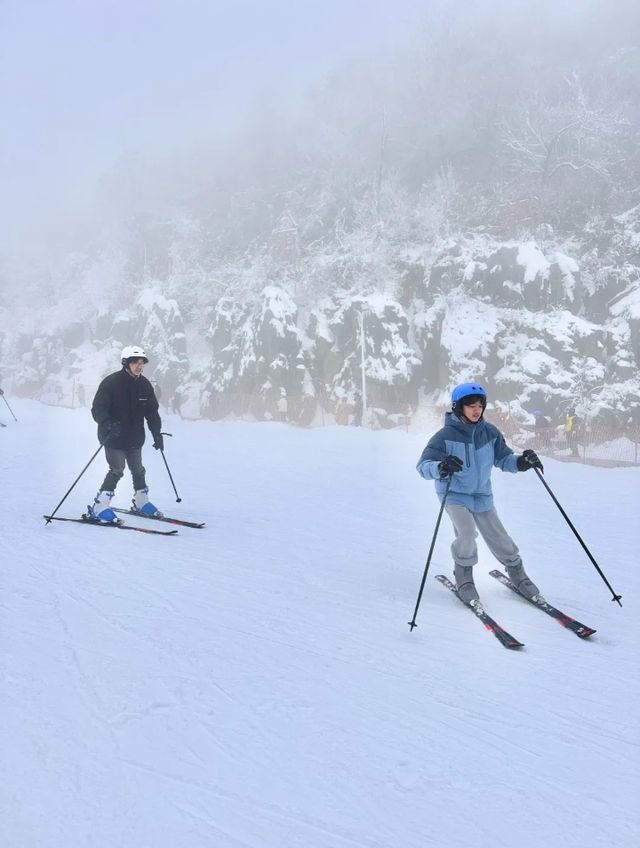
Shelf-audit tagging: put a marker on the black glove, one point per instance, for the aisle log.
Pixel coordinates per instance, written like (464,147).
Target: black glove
(1,392)
(449,465)
(158,441)
(107,430)
(529,459)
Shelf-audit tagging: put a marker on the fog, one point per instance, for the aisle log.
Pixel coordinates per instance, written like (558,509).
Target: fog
(85,82)
(294,199)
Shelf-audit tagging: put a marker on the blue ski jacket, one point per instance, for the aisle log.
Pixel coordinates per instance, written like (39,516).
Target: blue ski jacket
(480,446)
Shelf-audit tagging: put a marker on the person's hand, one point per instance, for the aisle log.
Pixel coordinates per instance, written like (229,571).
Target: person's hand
(158,442)
(449,465)
(108,430)
(529,459)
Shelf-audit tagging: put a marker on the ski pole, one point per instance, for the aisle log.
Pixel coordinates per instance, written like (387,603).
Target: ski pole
(178,498)
(7,402)
(578,537)
(412,623)
(48,521)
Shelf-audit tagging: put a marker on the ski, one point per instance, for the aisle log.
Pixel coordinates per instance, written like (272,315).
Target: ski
(492,626)
(179,521)
(121,526)
(562,618)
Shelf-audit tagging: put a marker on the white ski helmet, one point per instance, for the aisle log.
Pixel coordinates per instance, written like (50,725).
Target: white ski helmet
(132,352)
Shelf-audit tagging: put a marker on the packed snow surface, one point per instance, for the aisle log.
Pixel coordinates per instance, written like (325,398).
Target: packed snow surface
(254,684)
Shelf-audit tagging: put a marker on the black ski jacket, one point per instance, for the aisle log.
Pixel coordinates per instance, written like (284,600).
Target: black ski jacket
(128,400)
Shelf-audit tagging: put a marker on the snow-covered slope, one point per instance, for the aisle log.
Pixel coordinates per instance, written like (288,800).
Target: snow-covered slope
(255,683)
(545,324)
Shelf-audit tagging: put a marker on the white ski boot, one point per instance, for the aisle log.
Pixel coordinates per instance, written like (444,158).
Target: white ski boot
(100,509)
(143,505)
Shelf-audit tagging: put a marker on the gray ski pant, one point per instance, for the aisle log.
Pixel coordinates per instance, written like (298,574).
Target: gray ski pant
(116,459)
(499,542)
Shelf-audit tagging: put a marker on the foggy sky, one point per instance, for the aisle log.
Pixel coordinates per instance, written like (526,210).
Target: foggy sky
(84,81)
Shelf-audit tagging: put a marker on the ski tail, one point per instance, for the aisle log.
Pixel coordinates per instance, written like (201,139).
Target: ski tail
(182,522)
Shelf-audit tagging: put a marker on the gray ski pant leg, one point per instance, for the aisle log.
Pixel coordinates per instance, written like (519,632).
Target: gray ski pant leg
(117,459)
(498,540)
(464,549)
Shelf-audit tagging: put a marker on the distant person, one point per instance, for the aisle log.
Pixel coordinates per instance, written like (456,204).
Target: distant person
(571,428)
(80,394)
(342,412)
(542,429)
(124,400)
(209,403)
(406,415)
(465,450)
(176,402)
(205,403)
(357,411)
(282,405)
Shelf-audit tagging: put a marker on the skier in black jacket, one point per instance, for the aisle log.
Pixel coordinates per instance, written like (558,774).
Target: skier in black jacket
(123,400)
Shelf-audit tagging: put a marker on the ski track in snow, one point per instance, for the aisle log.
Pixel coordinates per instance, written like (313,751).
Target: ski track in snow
(255,683)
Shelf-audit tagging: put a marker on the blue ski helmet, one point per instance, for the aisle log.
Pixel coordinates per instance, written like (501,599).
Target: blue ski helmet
(467,393)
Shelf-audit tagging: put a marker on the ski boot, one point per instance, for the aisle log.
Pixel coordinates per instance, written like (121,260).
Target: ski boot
(467,591)
(100,509)
(523,583)
(143,505)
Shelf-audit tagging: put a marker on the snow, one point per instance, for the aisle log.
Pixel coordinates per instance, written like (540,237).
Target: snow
(569,272)
(629,222)
(469,329)
(578,308)
(533,260)
(150,299)
(628,304)
(538,363)
(255,683)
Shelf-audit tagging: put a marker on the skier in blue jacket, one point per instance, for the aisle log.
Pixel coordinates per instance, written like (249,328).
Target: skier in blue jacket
(465,450)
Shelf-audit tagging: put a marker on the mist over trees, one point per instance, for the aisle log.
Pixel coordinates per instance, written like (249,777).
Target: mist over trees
(491,168)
